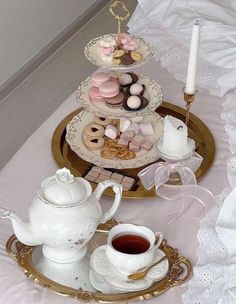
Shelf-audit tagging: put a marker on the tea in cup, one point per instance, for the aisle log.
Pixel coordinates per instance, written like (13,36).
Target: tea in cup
(131,248)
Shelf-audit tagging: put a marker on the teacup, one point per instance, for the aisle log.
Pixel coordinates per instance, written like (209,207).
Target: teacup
(131,248)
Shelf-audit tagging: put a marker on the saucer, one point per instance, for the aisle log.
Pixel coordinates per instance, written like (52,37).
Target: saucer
(184,155)
(101,285)
(104,269)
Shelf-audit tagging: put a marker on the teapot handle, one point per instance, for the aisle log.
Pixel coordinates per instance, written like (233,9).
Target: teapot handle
(117,188)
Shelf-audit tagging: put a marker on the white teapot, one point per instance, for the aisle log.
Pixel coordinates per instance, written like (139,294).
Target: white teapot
(64,216)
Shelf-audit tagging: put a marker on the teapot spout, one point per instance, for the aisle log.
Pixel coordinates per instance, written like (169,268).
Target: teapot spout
(23,231)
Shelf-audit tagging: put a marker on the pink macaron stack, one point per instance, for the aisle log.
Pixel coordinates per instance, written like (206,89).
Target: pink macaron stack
(97,80)
(106,88)
(110,90)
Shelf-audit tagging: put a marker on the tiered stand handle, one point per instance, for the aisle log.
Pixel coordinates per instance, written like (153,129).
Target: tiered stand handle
(122,15)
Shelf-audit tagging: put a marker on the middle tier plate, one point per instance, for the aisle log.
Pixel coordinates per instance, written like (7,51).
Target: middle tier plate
(74,137)
(153,93)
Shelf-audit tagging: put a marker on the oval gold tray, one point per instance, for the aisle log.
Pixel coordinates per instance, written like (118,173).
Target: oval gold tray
(180,270)
(65,157)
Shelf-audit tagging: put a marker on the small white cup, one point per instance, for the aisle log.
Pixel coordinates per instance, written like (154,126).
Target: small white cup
(126,263)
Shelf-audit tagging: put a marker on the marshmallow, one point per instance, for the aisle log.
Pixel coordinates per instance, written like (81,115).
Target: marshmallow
(124,40)
(126,47)
(111,132)
(107,58)
(123,142)
(133,147)
(128,135)
(147,145)
(132,48)
(126,36)
(106,50)
(146,128)
(137,140)
(108,41)
(124,124)
(135,127)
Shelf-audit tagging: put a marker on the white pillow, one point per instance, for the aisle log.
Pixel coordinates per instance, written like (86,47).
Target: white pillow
(175,17)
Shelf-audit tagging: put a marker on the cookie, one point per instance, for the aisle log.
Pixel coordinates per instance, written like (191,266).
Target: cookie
(122,151)
(102,121)
(136,56)
(110,143)
(108,153)
(115,101)
(126,59)
(129,155)
(116,61)
(94,130)
(118,54)
(93,143)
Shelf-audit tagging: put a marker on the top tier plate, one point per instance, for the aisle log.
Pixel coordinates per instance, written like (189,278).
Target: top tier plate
(153,93)
(91,53)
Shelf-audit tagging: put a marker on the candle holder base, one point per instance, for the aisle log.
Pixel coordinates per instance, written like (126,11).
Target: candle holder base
(185,154)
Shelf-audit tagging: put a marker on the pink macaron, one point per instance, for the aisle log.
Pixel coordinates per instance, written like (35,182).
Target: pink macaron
(115,100)
(94,94)
(109,89)
(99,78)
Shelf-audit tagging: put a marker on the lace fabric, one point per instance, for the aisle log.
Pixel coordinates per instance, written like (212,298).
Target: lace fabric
(213,280)
(174,56)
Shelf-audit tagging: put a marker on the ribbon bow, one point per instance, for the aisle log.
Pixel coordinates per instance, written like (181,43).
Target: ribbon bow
(158,175)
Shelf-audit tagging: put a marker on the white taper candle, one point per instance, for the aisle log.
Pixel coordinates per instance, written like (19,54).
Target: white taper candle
(192,62)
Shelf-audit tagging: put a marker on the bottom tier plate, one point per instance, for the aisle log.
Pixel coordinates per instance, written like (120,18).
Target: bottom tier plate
(74,281)
(205,146)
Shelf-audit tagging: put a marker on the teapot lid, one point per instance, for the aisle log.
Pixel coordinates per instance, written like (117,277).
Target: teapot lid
(64,190)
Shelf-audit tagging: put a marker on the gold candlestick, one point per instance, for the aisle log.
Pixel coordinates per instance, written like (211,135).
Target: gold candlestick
(189,98)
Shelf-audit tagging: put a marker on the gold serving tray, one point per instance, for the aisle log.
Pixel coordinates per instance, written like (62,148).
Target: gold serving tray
(180,270)
(205,146)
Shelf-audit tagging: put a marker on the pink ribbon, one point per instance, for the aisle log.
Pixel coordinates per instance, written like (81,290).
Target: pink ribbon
(158,175)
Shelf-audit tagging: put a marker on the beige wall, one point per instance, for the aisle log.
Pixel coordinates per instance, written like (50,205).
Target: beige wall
(26,26)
